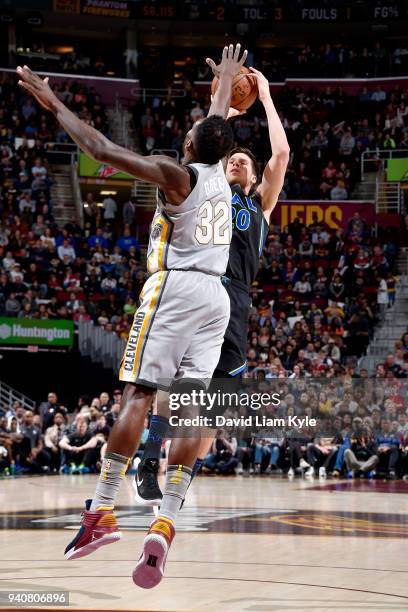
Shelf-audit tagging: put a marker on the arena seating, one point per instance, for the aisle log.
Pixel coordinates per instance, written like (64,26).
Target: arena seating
(315,301)
(368,58)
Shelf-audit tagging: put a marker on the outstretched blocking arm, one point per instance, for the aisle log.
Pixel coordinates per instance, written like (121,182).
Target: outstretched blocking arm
(226,71)
(159,169)
(274,173)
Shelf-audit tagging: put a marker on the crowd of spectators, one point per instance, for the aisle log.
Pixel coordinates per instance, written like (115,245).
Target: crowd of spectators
(52,439)
(77,61)
(327,131)
(48,272)
(318,295)
(327,288)
(341,58)
(361,430)
(321,291)
(319,60)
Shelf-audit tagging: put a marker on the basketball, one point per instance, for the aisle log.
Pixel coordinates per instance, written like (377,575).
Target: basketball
(244,89)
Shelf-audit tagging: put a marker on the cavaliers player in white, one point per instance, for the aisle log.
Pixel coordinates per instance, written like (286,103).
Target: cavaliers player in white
(188,252)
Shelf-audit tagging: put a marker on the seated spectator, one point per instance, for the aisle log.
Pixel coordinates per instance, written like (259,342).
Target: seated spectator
(52,438)
(361,457)
(98,239)
(339,192)
(302,286)
(306,248)
(321,455)
(222,459)
(126,241)
(39,170)
(66,252)
(81,450)
(31,453)
(388,449)
(362,260)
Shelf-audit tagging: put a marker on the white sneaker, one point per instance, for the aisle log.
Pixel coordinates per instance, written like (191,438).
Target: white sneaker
(303,464)
(240,469)
(291,473)
(309,472)
(322,472)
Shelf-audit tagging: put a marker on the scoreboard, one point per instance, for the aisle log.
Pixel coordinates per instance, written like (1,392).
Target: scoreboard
(264,11)
(238,11)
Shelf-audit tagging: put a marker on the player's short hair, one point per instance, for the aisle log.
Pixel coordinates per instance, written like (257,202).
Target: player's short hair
(245,151)
(213,140)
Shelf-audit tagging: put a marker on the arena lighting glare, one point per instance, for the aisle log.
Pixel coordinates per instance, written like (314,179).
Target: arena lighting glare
(107,192)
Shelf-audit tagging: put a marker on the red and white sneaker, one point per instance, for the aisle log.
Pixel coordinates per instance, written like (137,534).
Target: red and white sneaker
(150,568)
(97,529)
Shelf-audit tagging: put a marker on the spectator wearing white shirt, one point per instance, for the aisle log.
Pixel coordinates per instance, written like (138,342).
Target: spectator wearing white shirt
(382,297)
(65,250)
(196,112)
(39,170)
(320,233)
(379,95)
(109,209)
(347,143)
(8,261)
(26,202)
(109,283)
(302,286)
(16,275)
(47,239)
(339,192)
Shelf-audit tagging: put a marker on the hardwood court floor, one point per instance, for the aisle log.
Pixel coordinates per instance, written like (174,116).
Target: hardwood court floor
(258,544)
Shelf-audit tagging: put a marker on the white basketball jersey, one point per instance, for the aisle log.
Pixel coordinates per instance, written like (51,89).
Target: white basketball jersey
(195,235)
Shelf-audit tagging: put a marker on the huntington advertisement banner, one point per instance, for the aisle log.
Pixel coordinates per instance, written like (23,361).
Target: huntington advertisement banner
(335,215)
(36,332)
(90,168)
(397,170)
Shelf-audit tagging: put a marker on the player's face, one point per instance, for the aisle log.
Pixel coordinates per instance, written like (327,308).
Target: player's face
(239,170)
(188,145)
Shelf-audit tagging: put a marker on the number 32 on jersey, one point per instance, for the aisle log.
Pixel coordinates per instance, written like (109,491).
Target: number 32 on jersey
(213,223)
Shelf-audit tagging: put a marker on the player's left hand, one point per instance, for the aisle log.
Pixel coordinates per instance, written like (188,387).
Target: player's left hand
(37,87)
(230,62)
(264,92)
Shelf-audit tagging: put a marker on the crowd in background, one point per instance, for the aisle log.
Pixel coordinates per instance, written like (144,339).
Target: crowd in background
(329,59)
(341,57)
(318,296)
(361,431)
(327,131)
(317,287)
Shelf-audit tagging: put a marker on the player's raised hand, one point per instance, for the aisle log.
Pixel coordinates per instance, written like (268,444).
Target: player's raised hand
(263,84)
(230,62)
(37,87)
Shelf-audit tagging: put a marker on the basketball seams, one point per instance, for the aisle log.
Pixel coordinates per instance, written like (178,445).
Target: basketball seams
(244,89)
